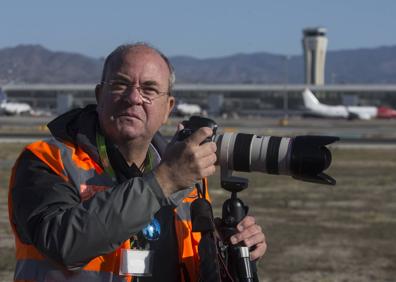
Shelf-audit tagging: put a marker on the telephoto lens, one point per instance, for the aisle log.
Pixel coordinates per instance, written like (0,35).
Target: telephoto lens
(302,157)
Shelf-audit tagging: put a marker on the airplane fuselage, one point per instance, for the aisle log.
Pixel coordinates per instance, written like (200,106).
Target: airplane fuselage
(348,112)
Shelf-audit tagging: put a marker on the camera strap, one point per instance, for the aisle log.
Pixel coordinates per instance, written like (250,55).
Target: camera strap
(202,188)
(212,266)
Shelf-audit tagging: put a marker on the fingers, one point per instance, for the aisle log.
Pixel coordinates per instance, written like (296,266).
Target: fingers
(202,161)
(206,165)
(204,150)
(208,158)
(252,236)
(259,251)
(201,157)
(187,161)
(199,136)
(196,138)
(246,222)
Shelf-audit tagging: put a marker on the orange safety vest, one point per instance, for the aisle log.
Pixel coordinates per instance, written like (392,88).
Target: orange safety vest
(77,167)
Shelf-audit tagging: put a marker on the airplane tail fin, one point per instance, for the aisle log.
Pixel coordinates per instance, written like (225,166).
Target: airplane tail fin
(310,101)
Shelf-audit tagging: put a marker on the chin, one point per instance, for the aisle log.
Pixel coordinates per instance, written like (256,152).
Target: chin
(130,133)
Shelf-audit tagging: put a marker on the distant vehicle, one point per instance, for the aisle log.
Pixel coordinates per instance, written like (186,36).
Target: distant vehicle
(185,109)
(318,109)
(13,108)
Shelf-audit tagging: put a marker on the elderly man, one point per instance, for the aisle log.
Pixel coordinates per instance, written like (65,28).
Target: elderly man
(104,199)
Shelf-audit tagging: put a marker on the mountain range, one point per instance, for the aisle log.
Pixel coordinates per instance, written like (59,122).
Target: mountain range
(36,64)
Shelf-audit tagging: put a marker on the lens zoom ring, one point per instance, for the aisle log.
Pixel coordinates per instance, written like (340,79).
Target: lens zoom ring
(242,152)
(272,155)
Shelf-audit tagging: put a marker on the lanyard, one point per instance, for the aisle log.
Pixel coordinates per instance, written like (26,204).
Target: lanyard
(100,141)
(152,230)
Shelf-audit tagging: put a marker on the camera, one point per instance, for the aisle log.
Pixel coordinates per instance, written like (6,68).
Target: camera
(195,123)
(302,157)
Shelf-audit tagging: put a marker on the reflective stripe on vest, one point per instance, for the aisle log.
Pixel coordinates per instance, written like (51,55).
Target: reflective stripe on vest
(77,167)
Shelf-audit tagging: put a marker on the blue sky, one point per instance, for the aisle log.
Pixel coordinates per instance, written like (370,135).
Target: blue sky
(200,28)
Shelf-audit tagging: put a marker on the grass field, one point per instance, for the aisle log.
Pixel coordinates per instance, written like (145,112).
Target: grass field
(314,232)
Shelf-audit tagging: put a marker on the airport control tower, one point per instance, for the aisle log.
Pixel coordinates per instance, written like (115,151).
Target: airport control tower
(314,44)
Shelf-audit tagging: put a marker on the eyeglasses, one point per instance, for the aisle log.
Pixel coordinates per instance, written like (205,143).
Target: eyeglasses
(147,93)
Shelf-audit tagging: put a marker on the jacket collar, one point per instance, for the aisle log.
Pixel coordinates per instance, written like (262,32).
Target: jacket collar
(78,127)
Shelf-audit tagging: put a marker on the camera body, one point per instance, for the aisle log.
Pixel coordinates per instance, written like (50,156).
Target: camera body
(195,123)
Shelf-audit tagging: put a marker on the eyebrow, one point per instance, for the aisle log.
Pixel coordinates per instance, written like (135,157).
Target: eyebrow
(121,77)
(125,78)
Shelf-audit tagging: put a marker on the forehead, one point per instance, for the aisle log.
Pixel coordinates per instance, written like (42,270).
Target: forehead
(139,63)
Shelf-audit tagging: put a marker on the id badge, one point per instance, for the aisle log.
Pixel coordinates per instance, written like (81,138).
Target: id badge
(136,262)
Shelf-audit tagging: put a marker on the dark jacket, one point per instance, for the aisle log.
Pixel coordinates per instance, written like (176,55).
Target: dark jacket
(48,211)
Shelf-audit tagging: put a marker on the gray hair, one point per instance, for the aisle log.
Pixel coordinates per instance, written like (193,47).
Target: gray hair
(121,50)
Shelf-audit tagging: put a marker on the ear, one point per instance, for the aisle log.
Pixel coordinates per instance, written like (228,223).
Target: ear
(170,104)
(98,92)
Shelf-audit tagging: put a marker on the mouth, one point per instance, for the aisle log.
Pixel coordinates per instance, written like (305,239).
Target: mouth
(128,116)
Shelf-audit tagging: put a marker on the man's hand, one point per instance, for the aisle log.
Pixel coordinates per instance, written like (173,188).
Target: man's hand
(252,236)
(186,162)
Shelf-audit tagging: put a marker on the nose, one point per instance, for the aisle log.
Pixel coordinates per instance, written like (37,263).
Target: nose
(133,96)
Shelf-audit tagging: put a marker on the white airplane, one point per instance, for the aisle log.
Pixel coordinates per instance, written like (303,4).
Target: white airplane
(12,108)
(349,112)
(184,109)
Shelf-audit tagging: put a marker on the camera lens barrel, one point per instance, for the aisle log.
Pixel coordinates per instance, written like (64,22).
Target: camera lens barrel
(302,157)
(298,156)
(241,152)
(249,152)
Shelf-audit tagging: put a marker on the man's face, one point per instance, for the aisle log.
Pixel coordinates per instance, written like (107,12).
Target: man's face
(124,116)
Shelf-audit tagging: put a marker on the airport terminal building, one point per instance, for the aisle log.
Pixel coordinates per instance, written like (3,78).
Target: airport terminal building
(216,99)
